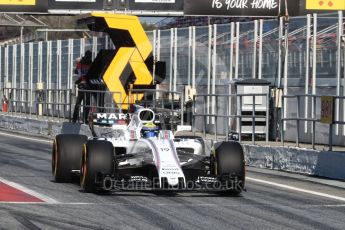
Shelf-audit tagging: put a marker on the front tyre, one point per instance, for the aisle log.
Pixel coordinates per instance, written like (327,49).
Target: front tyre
(66,156)
(229,166)
(98,157)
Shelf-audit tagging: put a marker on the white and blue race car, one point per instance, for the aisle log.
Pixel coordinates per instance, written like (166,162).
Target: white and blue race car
(137,153)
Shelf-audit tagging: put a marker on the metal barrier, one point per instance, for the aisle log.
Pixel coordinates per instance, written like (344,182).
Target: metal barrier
(54,104)
(247,49)
(95,101)
(102,101)
(170,102)
(58,104)
(238,116)
(314,119)
(49,103)
(18,100)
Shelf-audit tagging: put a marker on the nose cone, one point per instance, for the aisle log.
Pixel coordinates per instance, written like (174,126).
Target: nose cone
(173,181)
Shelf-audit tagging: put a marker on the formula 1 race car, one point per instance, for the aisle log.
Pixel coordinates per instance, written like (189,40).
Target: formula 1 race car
(137,154)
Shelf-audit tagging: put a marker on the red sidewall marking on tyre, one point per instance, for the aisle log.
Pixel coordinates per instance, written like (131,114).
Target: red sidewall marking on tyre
(11,194)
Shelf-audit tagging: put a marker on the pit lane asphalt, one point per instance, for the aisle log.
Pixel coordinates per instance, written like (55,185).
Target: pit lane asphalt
(263,206)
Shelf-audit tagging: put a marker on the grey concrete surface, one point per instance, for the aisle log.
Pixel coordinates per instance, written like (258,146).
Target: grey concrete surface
(27,163)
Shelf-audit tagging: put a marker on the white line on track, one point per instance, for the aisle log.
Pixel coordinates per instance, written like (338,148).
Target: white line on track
(29,191)
(26,138)
(296,189)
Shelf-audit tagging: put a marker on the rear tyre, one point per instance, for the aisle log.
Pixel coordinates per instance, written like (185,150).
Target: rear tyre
(229,166)
(98,157)
(66,156)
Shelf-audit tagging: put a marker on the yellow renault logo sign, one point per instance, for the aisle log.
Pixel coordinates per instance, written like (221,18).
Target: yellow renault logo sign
(133,51)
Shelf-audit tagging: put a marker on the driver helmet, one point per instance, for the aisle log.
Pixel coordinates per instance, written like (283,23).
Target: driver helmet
(149,130)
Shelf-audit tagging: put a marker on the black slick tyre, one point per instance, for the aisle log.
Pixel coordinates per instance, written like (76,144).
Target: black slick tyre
(98,157)
(66,155)
(229,165)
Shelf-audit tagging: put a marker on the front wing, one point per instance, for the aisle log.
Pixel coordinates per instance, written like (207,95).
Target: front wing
(144,177)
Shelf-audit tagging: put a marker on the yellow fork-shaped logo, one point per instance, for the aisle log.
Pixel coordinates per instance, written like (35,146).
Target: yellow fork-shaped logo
(133,51)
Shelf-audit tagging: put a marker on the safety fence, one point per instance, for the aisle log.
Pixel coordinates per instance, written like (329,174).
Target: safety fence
(302,48)
(63,105)
(302,55)
(313,118)
(239,116)
(232,118)
(68,106)
(43,104)
(169,103)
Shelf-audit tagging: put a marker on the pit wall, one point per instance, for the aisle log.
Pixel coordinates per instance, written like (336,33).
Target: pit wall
(305,161)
